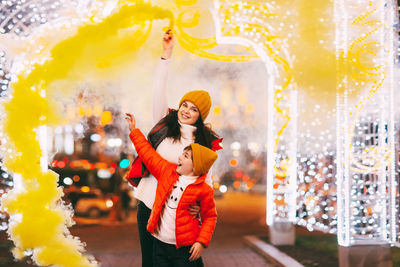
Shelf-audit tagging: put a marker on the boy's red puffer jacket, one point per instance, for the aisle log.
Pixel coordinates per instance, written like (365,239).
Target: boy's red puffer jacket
(187,229)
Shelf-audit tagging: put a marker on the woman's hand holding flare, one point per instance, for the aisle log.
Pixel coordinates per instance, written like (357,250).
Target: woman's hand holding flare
(131,121)
(168,44)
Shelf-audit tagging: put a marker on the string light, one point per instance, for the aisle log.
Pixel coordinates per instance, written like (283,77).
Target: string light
(365,142)
(244,23)
(21,16)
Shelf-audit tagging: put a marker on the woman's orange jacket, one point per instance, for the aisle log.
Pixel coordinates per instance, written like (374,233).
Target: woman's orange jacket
(187,228)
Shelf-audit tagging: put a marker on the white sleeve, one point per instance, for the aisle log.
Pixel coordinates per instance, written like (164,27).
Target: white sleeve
(160,101)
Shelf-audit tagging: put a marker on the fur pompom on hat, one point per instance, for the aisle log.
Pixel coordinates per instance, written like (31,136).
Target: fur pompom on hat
(201,99)
(203,159)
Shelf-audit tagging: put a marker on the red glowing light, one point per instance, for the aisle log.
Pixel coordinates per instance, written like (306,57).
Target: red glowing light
(238,174)
(60,164)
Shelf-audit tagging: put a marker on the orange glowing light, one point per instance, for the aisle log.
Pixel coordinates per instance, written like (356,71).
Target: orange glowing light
(280,178)
(245,178)
(101,165)
(76,178)
(276,186)
(369,211)
(216,185)
(250,184)
(85,189)
(237,184)
(233,162)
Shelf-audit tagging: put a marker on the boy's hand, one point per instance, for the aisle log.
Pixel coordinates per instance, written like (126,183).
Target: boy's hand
(196,250)
(131,121)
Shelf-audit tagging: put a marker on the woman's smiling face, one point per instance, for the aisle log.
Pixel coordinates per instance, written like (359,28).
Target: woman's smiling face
(188,113)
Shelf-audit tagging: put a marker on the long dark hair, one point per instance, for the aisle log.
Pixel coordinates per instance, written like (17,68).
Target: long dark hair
(203,134)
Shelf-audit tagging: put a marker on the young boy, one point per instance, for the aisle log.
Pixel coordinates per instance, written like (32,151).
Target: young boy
(179,237)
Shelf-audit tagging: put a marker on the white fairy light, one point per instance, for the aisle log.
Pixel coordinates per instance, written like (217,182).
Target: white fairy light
(244,14)
(366,182)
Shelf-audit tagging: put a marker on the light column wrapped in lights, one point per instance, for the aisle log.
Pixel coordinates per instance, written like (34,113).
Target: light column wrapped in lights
(366,181)
(249,24)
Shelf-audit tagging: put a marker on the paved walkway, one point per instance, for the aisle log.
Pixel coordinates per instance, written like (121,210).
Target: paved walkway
(117,255)
(123,250)
(218,258)
(116,244)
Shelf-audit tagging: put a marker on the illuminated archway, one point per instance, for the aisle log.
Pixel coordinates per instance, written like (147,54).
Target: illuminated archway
(244,23)
(235,24)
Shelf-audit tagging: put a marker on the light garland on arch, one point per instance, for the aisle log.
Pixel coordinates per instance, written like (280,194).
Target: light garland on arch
(365,143)
(247,23)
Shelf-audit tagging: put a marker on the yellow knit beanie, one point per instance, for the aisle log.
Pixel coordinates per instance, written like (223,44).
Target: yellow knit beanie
(201,99)
(203,159)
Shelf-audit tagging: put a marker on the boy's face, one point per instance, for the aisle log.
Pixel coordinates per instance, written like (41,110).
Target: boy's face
(185,163)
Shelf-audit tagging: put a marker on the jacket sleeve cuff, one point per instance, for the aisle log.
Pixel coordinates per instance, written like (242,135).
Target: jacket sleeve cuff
(134,132)
(203,242)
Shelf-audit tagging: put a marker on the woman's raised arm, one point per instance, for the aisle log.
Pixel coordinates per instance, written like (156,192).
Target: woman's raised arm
(160,101)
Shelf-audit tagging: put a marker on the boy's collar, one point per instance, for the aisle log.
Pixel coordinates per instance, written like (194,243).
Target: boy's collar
(199,179)
(193,177)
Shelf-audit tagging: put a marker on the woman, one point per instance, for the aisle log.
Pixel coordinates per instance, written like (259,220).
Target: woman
(175,129)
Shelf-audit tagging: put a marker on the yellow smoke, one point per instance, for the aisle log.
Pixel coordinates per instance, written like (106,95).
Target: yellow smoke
(314,66)
(39,220)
